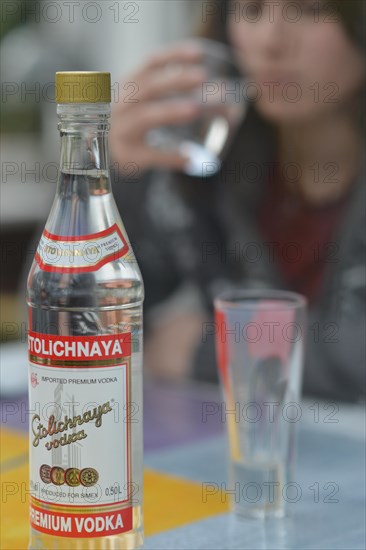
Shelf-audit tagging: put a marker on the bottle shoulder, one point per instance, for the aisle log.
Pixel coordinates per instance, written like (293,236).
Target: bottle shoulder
(115,284)
(85,261)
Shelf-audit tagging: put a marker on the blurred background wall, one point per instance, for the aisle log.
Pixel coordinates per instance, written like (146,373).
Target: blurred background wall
(39,38)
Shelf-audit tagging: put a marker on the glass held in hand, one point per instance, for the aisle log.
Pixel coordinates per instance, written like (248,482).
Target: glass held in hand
(221,98)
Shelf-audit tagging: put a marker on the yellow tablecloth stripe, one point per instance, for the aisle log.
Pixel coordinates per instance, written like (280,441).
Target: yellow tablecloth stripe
(169,501)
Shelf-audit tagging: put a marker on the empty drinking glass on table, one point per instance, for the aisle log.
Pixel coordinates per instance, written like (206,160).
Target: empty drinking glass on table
(260,345)
(222,99)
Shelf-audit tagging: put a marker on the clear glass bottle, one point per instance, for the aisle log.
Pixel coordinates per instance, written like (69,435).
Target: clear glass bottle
(85,295)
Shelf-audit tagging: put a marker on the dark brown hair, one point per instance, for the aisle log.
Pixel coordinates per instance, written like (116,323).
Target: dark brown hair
(350,12)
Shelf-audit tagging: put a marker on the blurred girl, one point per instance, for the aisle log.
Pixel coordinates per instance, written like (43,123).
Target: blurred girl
(287,209)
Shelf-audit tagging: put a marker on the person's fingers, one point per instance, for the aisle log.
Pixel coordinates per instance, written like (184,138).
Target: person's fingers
(161,113)
(127,137)
(133,124)
(161,84)
(189,52)
(178,79)
(165,66)
(144,158)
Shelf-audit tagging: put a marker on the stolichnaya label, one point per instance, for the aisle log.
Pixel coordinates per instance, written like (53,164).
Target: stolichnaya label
(85,253)
(79,434)
(77,348)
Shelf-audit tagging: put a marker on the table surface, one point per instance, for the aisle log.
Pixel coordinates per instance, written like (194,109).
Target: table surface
(182,452)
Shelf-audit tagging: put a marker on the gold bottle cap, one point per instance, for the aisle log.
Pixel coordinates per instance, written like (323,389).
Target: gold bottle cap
(83,87)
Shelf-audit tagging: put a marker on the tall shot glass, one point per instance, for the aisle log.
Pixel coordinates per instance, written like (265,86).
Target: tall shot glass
(260,346)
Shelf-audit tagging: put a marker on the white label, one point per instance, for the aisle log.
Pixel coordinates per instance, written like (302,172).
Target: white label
(79,432)
(87,408)
(80,254)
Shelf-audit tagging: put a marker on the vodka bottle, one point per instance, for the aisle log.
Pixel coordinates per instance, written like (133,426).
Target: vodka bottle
(85,296)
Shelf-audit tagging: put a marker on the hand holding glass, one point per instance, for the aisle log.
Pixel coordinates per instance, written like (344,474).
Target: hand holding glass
(205,140)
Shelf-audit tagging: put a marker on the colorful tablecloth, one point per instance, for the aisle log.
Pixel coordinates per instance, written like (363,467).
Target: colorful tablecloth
(183,453)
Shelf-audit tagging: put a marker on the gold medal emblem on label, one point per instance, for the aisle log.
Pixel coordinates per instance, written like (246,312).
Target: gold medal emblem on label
(72,477)
(58,475)
(45,473)
(88,477)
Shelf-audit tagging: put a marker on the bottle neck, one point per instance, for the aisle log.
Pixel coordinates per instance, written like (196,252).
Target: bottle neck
(84,146)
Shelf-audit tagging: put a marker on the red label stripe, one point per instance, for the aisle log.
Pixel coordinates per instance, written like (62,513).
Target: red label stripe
(87,525)
(53,267)
(79,348)
(89,237)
